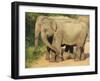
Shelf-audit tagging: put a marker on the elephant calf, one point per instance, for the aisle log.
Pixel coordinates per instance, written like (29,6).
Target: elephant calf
(66,53)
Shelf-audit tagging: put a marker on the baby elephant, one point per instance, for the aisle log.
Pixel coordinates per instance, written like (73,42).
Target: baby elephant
(71,51)
(66,53)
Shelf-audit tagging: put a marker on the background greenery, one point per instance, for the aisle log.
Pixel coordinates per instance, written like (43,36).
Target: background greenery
(31,55)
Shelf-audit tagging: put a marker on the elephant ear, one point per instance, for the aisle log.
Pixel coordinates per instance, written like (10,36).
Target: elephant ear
(53,25)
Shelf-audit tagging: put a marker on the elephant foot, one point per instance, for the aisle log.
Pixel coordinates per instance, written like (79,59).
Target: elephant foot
(65,55)
(84,56)
(76,59)
(47,57)
(68,56)
(52,60)
(72,56)
(59,59)
(52,57)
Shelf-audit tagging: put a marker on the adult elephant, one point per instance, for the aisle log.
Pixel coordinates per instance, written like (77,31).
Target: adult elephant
(58,31)
(47,27)
(71,32)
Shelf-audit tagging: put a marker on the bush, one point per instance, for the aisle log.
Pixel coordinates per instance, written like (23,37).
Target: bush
(33,55)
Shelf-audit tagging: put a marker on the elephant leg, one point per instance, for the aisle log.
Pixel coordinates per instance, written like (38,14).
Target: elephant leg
(69,49)
(59,55)
(52,56)
(50,39)
(57,44)
(63,52)
(77,53)
(48,53)
(71,55)
(82,54)
(59,58)
(56,55)
(72,51)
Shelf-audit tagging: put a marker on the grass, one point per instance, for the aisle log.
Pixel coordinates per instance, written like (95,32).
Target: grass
(32,55)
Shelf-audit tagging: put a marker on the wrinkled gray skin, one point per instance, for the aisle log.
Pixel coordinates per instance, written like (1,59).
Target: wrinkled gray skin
(62,31)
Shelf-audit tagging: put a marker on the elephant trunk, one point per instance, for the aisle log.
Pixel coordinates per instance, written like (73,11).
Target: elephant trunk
(47,43)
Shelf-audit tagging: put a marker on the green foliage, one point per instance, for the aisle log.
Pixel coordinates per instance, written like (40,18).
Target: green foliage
(32,55)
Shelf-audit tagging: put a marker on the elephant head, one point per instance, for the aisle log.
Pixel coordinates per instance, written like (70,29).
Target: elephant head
(47,28)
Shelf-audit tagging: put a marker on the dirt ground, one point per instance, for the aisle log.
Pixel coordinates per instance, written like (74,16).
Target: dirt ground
(42,62)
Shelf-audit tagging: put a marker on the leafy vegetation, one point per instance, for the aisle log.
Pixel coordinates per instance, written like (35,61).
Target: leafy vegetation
(33,55)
